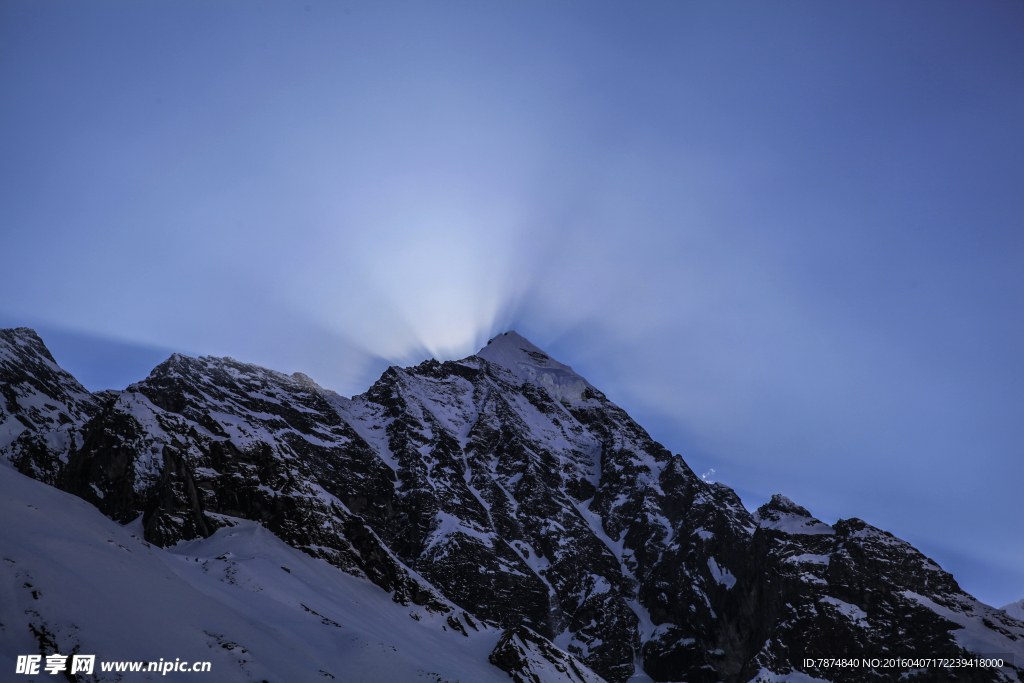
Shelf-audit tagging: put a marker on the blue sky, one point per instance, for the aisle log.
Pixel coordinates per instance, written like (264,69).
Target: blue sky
(787,237)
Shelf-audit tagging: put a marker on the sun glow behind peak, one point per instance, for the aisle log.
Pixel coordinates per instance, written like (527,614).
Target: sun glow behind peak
(808,263)
(435,272)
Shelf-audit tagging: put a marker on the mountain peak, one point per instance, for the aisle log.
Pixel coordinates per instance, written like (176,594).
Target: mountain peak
(513,342)
(782,514)
(530,363)
(783,504)
(26,337)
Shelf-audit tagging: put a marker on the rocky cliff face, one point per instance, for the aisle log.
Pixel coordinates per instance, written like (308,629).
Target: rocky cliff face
(42,407)
(507,485)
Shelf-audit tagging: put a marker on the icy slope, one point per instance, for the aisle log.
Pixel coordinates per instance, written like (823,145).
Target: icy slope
(242,599)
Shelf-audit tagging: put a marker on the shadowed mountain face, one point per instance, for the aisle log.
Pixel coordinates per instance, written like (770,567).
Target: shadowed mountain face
(508,485)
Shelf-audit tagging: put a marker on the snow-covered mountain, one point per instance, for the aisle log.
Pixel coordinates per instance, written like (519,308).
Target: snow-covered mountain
(507,490)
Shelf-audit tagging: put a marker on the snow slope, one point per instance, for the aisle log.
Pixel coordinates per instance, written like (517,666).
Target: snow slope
(89,585)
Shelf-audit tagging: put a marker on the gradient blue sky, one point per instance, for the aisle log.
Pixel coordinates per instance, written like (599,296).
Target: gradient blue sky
(787,237)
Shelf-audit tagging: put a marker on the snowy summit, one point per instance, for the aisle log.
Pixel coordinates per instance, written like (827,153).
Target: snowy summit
(529,363)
